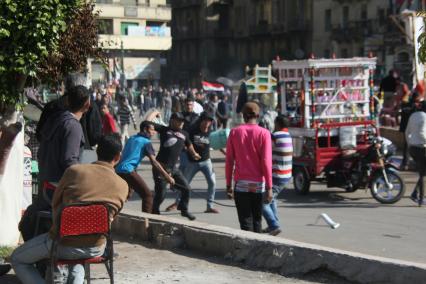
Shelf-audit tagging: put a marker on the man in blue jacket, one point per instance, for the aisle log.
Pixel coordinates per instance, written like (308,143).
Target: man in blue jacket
(137,147)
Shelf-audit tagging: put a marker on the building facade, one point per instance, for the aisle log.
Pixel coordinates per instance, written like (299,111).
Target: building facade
(136,35)
(218,38)
(349,28)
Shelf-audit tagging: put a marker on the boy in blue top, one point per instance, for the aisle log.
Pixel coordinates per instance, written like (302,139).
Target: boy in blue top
(137,147)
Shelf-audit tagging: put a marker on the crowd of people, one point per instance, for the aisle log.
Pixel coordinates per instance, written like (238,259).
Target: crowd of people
(258,162)
(82,120)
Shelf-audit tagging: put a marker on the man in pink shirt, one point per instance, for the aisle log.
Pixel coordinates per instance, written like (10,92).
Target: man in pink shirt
(249,164)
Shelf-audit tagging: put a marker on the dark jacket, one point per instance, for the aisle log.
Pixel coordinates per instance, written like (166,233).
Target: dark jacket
(91,122)
(61,139)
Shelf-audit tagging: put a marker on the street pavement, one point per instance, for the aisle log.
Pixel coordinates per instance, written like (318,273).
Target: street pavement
(394,231)
(141,263)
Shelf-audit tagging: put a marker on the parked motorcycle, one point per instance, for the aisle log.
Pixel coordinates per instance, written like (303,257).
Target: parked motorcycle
(369,169)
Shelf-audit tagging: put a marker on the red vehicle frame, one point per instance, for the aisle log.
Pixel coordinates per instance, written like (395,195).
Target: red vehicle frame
(326,150)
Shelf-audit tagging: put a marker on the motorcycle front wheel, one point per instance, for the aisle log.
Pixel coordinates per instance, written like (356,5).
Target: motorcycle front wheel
(384,194)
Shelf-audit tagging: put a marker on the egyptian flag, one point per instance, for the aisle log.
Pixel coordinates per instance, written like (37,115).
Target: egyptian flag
(212,87)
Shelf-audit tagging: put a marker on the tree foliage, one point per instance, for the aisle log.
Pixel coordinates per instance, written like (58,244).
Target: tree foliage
(422,48)
(44,39)
(29,31)
(77,44)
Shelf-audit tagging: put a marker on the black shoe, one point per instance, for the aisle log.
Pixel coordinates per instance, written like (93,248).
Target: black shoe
(187,215)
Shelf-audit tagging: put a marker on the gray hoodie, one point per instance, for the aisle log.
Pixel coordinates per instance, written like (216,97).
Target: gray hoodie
(61,142)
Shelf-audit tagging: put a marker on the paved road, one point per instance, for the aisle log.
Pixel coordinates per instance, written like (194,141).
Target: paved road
(394,231)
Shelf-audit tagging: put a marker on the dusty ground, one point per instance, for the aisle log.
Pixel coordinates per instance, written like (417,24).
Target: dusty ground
(144,264)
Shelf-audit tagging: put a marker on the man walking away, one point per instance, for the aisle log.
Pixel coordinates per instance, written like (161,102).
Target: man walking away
(95,182)
(222,112)
(125,114)
(282,155)
(416,139)
(249,164)
(137,147)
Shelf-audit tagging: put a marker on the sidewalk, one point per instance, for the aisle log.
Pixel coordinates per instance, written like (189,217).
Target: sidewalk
(143,264)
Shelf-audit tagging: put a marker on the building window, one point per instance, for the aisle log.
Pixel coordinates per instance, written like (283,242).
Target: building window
(105,26)
(154,23)
(327,53)
(345,17)
(327,20)
(364,13)
(128,2)
(125,27)
(345,53)
(381,15)
(361,51)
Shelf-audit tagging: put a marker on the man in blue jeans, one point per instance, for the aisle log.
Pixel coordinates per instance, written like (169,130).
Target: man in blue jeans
(199,136)
(96,182)
(282,153)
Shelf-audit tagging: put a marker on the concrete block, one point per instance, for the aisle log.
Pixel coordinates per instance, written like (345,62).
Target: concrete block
(169,242)
(284,256)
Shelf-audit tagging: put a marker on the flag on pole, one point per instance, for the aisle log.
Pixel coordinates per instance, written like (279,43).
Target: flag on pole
(212,87)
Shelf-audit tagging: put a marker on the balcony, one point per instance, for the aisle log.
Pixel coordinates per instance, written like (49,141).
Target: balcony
(223,33)
(279,28)
(299,25)
(355,30)
(117,10)
(186,3)
(135,42)
(262,28)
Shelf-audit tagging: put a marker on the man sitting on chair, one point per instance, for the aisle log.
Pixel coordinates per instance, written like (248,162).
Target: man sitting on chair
(95,182)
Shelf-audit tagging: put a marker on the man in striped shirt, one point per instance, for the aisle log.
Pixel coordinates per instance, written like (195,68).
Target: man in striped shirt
(282,153)
(125,116)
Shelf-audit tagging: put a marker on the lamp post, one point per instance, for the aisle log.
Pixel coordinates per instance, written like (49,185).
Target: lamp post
(122,75)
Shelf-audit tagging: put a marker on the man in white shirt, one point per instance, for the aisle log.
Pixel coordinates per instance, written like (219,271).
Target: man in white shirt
(416,139)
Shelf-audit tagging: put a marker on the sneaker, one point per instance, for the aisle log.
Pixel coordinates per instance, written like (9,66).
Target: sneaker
(211,210)
(172,207)
(187,215)
(275,232)
(414,199)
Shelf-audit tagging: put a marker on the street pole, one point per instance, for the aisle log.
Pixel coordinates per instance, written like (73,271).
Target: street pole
(122,75)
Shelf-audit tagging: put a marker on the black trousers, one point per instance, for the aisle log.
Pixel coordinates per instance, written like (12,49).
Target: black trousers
(419,156)
(161,185)
(249,209)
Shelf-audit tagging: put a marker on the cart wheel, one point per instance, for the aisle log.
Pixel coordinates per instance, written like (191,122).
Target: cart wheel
(301,180)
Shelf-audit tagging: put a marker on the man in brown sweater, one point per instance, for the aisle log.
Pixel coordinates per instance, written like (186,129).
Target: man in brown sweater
(80,183)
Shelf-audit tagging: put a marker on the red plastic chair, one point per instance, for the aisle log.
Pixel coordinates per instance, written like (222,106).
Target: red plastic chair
(79,219)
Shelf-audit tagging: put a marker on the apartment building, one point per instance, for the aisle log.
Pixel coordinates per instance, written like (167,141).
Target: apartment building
(213,38)
(348,28)
(136,36)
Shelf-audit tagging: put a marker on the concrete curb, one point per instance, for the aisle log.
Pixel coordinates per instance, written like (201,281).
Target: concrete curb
(265,252)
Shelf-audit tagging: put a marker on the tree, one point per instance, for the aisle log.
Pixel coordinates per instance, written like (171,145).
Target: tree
(29,31)
(35,37)
(77,44)
(422,49)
